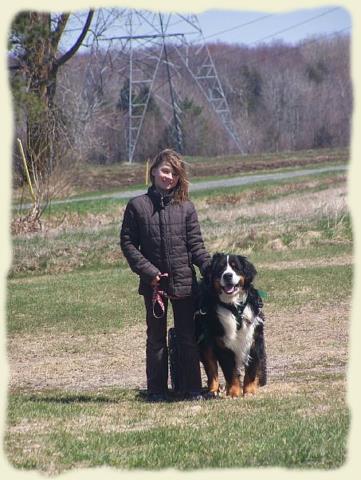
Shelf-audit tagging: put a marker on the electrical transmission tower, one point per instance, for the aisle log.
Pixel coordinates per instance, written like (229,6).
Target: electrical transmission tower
(160,48)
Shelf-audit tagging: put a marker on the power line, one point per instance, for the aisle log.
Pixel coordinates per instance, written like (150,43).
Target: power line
(308,42)
(276,33)
(296,25)
(239,26)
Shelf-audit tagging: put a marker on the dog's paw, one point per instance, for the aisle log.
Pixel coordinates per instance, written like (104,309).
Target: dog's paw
(212,395)
(250,387)
(234,392)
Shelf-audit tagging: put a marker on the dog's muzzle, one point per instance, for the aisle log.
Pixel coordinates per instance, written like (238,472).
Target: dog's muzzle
(229,283)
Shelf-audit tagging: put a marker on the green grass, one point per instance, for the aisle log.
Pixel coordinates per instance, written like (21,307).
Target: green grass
(294,287)
(83,302)
(82,207)
(260,431)
(106,300)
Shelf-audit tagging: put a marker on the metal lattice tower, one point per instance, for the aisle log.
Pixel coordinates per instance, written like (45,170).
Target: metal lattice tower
(202,68)
(175,44)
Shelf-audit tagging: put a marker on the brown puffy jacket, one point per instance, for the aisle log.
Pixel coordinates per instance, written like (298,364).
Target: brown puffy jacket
(161,235)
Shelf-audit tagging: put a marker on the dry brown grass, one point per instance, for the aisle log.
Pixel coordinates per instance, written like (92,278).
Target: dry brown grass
(294,341)
(294,206)
(239,225)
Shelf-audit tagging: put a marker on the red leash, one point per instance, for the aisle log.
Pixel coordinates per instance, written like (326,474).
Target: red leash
(158,301)
(159,295)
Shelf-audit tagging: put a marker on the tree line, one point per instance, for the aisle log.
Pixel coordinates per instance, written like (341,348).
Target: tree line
(281,97)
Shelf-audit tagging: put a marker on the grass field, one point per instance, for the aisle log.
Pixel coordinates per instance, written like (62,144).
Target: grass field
(76,339)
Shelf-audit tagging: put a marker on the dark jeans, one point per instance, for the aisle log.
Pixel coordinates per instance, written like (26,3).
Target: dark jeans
(157,351)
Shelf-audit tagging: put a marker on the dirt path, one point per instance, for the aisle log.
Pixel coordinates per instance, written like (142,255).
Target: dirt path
(94,362)
(204,185)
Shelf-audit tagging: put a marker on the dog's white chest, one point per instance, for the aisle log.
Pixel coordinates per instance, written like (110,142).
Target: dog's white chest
(239,340)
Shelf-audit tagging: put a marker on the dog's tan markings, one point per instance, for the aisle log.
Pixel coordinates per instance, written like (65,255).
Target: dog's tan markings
(217,285)
(234,388)
(241,281)
(211,368)
(250,385)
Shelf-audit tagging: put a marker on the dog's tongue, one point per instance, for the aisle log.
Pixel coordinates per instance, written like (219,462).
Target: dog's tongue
(229,289)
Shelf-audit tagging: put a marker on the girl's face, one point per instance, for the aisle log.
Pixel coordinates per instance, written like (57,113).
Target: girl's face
(164,177)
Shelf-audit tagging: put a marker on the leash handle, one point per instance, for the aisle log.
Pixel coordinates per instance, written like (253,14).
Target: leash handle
(158,295)
(158,299)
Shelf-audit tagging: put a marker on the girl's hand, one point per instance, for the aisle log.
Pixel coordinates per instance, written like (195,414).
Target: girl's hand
(155,280)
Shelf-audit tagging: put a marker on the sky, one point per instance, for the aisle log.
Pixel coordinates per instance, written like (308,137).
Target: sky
(244,27)
(296,25)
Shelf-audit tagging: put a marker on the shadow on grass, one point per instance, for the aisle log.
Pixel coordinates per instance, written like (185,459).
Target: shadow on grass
(66,399)
(74,398)
(174,396)
(113,397)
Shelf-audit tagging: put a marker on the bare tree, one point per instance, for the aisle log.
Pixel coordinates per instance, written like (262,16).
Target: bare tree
(35,62)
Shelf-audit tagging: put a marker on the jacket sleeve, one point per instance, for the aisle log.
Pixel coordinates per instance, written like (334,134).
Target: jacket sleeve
(199,254)
(130,243)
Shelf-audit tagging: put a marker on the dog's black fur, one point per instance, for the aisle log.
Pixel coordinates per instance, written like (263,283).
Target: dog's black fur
(230,325)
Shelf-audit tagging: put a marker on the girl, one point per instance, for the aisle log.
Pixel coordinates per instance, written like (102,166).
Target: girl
(161,240)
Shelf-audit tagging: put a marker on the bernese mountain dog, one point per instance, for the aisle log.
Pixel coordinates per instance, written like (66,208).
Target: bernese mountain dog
(229,326)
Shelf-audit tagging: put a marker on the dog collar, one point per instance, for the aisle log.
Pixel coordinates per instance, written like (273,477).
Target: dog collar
(237,311)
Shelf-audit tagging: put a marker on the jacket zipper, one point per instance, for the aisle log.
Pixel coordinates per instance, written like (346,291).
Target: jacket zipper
(165,241)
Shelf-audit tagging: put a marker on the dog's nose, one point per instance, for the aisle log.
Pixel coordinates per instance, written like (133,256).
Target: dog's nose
(228,277)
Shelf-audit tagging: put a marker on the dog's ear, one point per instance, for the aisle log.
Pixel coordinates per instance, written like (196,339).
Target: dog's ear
(248,269)
(216,257)
(208,270)
(207,273)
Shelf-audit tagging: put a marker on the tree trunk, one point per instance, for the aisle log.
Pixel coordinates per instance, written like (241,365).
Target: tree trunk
(41,64)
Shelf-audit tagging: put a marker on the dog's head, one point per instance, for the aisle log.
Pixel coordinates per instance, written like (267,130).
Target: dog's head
(230,276)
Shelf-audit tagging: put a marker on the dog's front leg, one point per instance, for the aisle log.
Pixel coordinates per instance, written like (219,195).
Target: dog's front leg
(209,361)
(230,371)
(233,387)
(255,374)
(251,378)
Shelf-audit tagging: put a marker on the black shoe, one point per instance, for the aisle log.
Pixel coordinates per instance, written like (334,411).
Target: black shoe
(193,397)
(212,396)
(157,397)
